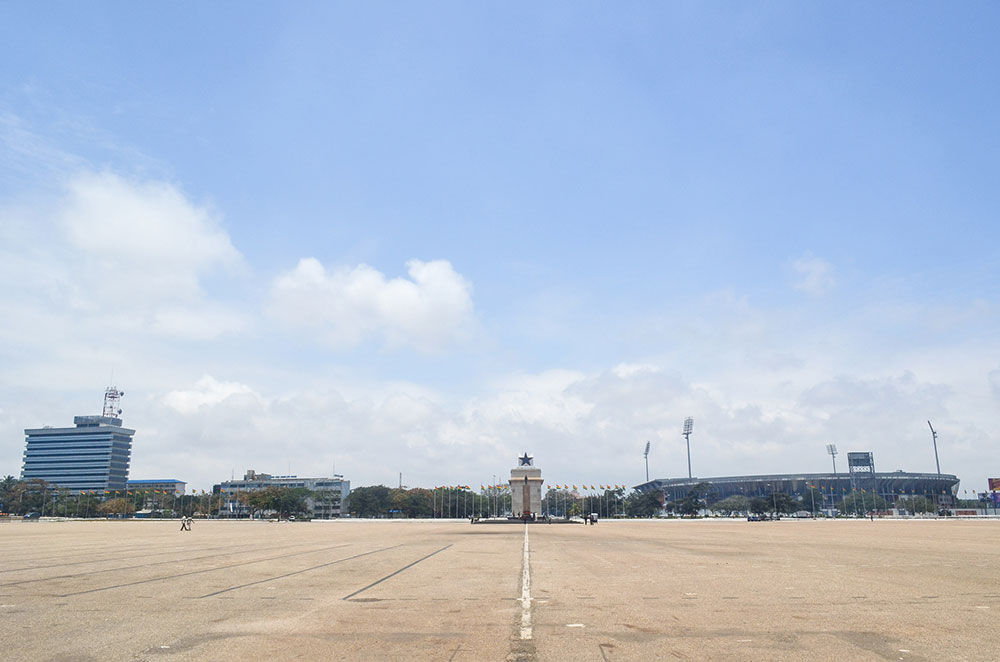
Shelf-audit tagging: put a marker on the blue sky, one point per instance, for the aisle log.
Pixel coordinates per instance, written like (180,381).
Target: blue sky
(426,238)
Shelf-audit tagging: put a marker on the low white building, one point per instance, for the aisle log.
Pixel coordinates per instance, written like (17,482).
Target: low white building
(165,485)
(328,498)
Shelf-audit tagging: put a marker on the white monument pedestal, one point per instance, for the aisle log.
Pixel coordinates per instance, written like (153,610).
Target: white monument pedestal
(526,487)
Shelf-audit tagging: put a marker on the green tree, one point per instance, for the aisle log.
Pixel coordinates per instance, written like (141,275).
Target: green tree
(418,502)
(369,501)
(731,505)
(685,506)
(810,497)
(120,506)
(781,503)
(34,495)
(556,502)
(285,501)
(693,503)
(643,504)
(9,493)
(255,501)
(89,504)
(758,505)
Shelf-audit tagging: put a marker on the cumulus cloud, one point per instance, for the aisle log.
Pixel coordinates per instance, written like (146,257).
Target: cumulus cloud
(814,275)
(132,253)
(143,238)
(344,306)
(209,392)
(581,426)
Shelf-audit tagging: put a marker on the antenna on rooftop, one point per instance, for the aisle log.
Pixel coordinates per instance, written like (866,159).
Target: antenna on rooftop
(112,402)
(832,450)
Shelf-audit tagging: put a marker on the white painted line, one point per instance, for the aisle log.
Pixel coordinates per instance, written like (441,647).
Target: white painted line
(526,591)
(574,625)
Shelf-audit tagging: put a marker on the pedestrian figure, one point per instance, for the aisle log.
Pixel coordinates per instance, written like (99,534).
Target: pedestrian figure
(186,523)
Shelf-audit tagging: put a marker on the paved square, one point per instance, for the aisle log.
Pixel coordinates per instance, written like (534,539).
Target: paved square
(426,590)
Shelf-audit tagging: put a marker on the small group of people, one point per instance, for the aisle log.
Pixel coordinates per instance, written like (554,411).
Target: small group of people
(186,523)
(590,519)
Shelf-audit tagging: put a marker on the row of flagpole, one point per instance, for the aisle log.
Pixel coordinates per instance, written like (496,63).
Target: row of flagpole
(127,495)
(494,500)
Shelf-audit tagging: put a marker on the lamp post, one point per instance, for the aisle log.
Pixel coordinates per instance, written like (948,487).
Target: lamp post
(645,455)
(934,436)
(688,427)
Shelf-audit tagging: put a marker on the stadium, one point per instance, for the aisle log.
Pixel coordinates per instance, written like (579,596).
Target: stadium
(942,489)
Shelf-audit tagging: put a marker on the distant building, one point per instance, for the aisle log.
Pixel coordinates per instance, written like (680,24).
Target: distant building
(942,489)
(167,485)
(327,501)
(93,456)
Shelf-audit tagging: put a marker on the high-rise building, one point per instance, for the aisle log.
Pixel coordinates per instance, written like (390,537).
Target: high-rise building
(93,456)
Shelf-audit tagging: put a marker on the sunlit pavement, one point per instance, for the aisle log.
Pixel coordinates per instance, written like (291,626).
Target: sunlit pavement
(450,590)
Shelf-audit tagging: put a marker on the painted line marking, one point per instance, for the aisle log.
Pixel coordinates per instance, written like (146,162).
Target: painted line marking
(202,571)
(409,565)
(526,590)
(297,572)
(144,565)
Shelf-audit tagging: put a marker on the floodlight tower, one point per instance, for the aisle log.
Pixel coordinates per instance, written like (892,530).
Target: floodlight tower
(832,450)
(688,426)
(934,435)
(645,455)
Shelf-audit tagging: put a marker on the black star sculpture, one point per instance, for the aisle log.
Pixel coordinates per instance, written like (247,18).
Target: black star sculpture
(525,460)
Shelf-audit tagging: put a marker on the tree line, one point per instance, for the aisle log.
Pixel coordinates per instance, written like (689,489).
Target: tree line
(19,497)
(23,496)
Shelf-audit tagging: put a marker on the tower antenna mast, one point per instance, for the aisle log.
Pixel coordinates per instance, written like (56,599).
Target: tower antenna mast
(112,402)
(832,450)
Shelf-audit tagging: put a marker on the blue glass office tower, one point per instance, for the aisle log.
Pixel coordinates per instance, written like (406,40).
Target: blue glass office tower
(93,456)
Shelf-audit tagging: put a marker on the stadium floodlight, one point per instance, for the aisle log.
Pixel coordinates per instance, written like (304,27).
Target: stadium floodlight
(832,450)
(934,435)
(645,455)
(688,426)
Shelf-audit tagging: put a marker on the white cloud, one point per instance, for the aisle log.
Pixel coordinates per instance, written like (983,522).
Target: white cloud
(814,275)
(112,256)
(209,392)
(142,238)
(428,311)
